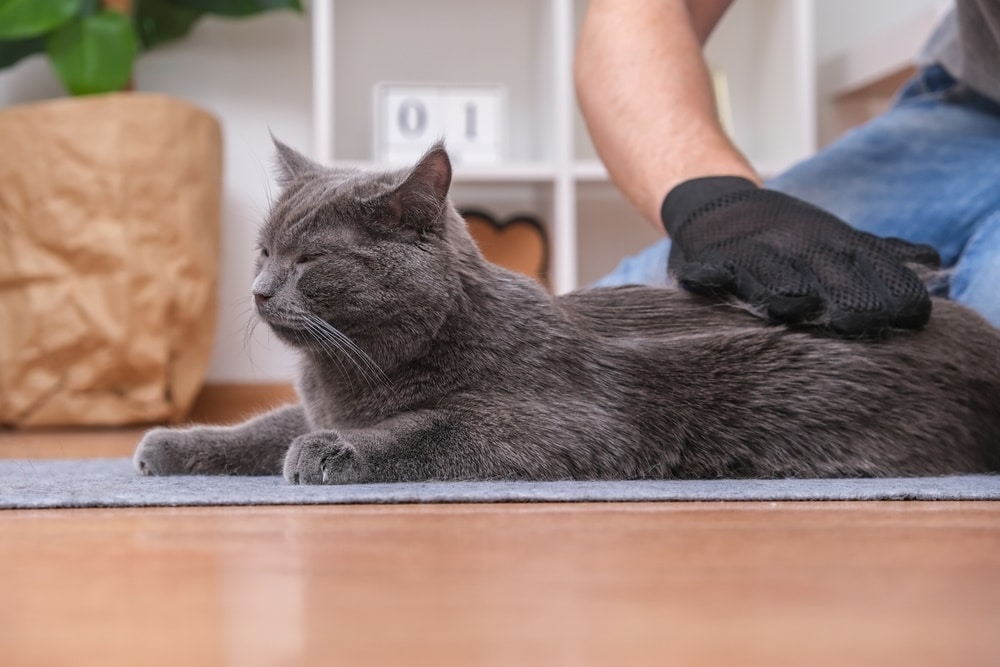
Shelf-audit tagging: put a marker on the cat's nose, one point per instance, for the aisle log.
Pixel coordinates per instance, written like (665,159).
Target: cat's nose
(260,298)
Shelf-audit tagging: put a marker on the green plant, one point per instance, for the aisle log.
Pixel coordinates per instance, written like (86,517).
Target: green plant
(92,45)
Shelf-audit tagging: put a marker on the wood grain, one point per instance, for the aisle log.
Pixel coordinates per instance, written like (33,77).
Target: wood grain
(634,584)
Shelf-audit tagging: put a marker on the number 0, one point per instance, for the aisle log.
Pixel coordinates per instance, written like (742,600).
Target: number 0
(412,118)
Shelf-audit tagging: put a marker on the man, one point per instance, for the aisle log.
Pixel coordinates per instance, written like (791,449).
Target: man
(927,171)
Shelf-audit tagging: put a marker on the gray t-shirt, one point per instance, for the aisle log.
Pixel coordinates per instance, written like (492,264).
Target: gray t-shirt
(967,44)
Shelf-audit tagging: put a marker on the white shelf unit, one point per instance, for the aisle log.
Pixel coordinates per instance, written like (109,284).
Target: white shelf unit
(764,46)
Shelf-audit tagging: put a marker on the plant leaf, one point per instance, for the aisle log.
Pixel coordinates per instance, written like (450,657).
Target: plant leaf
(88,7)
(94,54)
(237,7)
(32,18)
(11,52)
(161,21)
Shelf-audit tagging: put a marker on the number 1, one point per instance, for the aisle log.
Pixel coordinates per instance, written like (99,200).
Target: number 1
(470,121)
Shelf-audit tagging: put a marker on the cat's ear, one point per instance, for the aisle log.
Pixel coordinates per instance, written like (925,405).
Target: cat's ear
(421,197)
(291,163)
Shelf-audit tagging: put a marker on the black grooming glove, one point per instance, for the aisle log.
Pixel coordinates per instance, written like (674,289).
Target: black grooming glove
(791,261)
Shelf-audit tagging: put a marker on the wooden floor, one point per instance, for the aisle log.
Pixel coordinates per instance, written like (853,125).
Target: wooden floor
(907,583)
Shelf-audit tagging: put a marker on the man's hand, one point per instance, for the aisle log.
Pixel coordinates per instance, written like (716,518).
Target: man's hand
(796,263)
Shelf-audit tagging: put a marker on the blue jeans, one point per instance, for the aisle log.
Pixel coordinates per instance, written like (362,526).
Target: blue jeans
(927,170)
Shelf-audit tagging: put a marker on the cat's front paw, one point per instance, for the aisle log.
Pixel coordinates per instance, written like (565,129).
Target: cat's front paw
(163,451)
(323,457)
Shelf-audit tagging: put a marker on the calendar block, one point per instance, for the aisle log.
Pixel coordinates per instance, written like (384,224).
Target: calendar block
(411,117)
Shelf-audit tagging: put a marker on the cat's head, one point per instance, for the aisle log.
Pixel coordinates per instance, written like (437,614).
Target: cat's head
(377,256)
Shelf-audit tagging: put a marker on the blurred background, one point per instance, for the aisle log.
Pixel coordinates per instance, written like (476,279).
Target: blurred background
(791,75)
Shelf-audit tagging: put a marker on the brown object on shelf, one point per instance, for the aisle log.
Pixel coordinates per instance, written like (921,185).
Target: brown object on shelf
(109,210)
(518,243)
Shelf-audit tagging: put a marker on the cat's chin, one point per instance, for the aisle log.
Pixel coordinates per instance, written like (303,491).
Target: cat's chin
(292,336)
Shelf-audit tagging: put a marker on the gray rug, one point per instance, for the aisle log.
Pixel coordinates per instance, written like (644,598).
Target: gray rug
(112,483)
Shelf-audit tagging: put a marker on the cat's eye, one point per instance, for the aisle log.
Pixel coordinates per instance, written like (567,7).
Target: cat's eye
(264,252)
(305,259)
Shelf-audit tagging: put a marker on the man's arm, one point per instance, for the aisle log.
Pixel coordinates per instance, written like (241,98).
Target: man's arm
(644,89)
(645,93)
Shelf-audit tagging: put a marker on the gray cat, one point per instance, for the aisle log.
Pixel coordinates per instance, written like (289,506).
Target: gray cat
(422,361)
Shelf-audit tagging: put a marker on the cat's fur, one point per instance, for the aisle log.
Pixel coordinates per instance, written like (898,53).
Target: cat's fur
(464,370)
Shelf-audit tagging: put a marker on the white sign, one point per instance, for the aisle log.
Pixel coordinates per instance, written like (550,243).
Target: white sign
(411,117)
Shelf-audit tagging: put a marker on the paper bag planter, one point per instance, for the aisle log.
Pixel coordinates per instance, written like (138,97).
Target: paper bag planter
(109,243)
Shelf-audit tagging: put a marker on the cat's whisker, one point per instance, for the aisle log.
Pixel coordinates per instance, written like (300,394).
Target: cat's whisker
(370,376)
(361,357)
(347,342)
(245,314)
(331,348)
(268,197)
(324,334)
(249,329)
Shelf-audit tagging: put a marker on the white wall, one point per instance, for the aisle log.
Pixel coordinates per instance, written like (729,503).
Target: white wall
(845,24)
(254,74)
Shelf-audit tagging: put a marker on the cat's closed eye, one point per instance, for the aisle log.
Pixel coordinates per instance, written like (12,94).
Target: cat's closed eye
(264,252)
(305,259)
